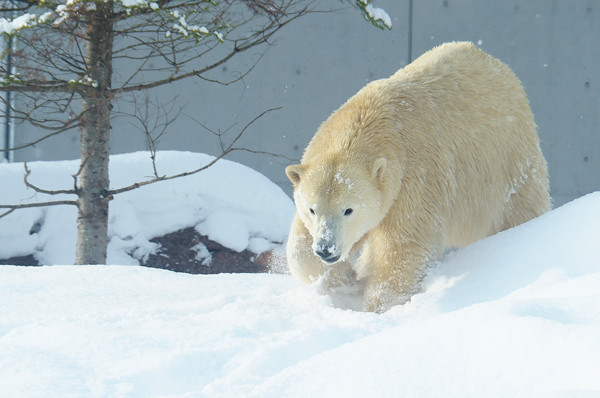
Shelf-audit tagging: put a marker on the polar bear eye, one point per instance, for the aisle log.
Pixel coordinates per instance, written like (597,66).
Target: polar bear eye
(348,211)
(312,211)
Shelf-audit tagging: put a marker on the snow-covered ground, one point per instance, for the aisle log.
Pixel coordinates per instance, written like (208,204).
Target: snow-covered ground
(230,203)
(513,315)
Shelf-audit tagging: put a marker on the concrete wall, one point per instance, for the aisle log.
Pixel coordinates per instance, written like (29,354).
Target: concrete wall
(321,60)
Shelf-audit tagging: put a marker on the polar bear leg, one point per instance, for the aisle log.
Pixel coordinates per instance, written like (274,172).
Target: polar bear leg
(397,275)
(529,198)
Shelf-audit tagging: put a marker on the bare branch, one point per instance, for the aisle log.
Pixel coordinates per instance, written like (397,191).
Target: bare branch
(44,191)
(38,86)
(154,122)
(240,45)
(6,213)
(72,124)
(224,153)
(237,79)
(267,153)
(34,205)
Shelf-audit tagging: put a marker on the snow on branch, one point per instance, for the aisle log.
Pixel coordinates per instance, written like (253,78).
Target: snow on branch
(9,27)
(377,16)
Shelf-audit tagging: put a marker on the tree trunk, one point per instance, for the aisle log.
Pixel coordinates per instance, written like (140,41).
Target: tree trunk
(92,220)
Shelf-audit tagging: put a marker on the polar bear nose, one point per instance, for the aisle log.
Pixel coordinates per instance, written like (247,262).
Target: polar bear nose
(324,252)
(327,253)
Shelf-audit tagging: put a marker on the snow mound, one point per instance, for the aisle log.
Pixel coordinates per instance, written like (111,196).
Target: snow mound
(513,315)
(255,212)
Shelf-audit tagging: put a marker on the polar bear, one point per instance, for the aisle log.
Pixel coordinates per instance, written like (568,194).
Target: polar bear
(441,154)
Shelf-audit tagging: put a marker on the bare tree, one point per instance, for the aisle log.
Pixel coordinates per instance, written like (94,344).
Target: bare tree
(68,52)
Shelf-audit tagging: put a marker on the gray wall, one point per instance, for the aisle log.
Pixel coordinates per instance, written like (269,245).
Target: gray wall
(323,59)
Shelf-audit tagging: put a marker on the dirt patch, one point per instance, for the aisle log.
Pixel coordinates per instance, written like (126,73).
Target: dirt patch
(28,260)
(188,251)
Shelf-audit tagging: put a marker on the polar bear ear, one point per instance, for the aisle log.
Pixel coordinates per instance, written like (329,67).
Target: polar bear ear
(294,172)
(377,168)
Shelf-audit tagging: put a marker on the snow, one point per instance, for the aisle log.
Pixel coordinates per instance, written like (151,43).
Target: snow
(9,27)
(232,204)
(377,14)
(513,315)
(61,12)
(138,3)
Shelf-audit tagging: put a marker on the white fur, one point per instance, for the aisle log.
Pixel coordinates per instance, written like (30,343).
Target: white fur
(442,153)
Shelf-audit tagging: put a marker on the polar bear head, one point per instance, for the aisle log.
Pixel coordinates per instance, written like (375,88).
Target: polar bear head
(339,200)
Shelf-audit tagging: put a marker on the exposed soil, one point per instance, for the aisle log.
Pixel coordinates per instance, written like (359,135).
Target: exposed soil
(21,260)
(177,254)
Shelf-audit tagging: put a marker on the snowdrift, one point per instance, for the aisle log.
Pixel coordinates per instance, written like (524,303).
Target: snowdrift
(513,315)
(230,203)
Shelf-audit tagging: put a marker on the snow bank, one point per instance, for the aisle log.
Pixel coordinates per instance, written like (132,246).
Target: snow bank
(232,204)
(514,315)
